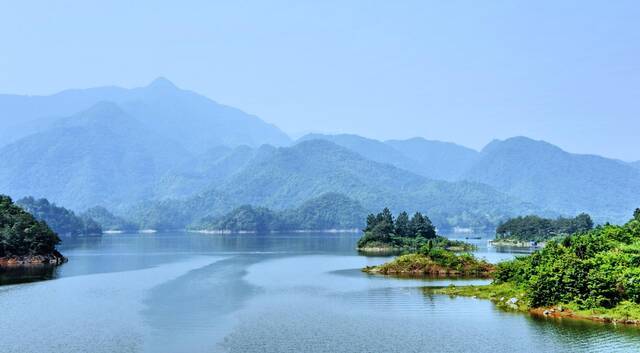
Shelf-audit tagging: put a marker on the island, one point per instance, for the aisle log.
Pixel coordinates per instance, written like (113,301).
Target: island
(425,252)
(384,234)
(534,230)
(593,275)
(434,262)
(23,239)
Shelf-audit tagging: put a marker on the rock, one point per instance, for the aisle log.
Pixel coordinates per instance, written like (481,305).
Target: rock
(501,299)
(513,300)
(546,313)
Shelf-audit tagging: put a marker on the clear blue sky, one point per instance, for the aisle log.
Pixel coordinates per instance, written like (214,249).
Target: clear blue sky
(466,71)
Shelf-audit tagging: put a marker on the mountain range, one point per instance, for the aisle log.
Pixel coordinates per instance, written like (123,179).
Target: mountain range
(165,157)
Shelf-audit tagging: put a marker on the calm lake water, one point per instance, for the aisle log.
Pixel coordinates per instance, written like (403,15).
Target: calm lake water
(182,292)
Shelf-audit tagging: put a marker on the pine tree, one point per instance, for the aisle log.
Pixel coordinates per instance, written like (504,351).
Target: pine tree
(403,228)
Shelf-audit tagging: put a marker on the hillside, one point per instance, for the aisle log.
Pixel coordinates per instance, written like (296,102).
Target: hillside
(543,174)
(101,156)
(432,159)
(436,159)
(196,122)
(286,177)
(330,211)
(204,171)
(61,220)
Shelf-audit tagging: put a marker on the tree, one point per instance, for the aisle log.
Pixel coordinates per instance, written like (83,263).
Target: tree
(421,227)
(372,220)
(403,228)
(636,214)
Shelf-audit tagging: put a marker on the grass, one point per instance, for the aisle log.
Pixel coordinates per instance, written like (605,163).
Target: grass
(440,263)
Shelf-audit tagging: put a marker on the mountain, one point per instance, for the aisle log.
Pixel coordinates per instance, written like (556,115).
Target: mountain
(371,149)
(196,122)
(101,156)
(204,171)
(437,159)
(432,159)
(286,177)
(543,174)
(635,164)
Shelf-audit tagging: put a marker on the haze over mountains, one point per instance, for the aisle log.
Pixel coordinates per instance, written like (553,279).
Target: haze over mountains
(168,157)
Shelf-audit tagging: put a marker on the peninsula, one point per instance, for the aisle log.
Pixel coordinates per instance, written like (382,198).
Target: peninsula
(24,240)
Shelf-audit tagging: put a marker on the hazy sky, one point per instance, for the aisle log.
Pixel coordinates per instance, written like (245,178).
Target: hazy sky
(466,71)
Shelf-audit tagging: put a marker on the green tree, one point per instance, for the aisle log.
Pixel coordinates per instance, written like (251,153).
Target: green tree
(421,226)
(403,226)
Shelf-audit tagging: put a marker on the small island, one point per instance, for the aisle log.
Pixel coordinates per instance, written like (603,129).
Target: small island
(384,234)
(24,240)
(592,275)
(435,263)
(426,253)
(535,231)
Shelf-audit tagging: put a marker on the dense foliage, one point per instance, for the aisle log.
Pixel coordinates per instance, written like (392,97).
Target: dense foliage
(61,220)
(107,220)
(534,228)
(21,233)
(384,232)
(329,211)
(598,268)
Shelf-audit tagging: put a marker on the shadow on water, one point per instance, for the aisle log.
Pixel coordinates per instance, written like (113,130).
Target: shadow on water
(26,274)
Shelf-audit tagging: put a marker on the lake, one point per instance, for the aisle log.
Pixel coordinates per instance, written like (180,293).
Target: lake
(186,292)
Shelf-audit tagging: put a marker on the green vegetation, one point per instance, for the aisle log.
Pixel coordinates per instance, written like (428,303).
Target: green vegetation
(107,220)
(434,262)
(327,212)
(384,233)
(534,228)
(21,234)
(595,274)
(61,220)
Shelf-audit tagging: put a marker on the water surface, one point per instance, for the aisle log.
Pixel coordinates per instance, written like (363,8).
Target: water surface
(182,292)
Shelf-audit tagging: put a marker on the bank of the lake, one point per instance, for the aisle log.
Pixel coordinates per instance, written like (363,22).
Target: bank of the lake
(509,297)
(516,243)
(53,258)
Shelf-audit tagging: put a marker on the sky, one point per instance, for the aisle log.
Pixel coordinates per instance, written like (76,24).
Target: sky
(567,72)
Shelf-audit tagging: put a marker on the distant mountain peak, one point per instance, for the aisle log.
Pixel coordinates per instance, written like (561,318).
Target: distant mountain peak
(518,143)
(162,83)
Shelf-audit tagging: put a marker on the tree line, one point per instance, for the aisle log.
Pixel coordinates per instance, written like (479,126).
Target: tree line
(535,228)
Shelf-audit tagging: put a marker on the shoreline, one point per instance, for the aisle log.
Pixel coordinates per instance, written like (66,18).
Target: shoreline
(508,298)
(54,259)
(302,231)
(515,244)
